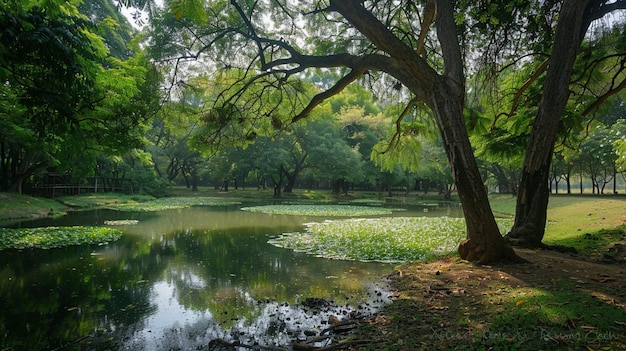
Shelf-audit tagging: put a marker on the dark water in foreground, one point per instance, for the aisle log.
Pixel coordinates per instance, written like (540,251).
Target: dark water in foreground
(175,281)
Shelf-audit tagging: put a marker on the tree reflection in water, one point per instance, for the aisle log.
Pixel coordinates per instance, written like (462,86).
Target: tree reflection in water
(176,280)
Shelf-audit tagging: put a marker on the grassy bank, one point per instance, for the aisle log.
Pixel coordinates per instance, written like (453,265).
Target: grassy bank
(15,206)
(586,223)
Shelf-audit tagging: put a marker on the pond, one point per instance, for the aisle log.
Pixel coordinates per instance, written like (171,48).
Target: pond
(177,280)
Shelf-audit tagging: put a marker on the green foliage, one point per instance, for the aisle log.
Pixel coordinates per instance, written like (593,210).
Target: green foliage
(619,144)
(404,152)
(390,239)
(51,237)
(71,100)
(16,206)
(51,61)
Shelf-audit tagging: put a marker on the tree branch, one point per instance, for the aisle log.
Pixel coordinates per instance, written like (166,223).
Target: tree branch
(614,90)
(396,135)
(370,26)
(354,74)
(522,89)
(596,10)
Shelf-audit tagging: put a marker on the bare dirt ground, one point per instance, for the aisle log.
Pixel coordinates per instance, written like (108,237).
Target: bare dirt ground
(452,304)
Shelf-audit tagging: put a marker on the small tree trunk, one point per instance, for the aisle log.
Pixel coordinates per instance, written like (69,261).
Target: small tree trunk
(194,181)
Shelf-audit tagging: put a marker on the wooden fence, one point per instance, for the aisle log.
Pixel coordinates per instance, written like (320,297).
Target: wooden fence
(60,185)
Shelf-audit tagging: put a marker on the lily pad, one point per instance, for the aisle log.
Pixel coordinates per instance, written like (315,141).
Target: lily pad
(322,210)
(169,203)
(122,222)
(387,239)
(50,237)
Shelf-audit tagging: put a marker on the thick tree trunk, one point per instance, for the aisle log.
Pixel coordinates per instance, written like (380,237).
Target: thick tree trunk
(532,199)
(444,94)
(483,243)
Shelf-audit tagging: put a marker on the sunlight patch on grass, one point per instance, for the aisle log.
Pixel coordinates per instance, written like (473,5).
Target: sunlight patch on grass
(564,312)
(570,218)
(393,239)
(321,210)
(50,237)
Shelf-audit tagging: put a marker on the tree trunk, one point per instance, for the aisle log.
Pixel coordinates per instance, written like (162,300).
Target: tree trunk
(444,93)
(194,181)
(532,199)
(291,180)
(483,243)
(16,185)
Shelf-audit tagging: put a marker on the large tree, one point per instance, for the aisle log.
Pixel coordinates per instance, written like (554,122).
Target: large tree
(378,39)
(574,20)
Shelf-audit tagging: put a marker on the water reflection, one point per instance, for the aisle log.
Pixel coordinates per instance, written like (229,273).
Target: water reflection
(176,280)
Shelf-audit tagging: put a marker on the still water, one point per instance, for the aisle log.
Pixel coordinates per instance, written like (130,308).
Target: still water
(177,280)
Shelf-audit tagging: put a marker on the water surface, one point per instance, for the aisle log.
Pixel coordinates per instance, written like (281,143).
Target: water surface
(177,280)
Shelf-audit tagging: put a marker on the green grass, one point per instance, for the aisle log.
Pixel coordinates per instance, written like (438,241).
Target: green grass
(534,317)
(503,205)
(50,237)
(586,223)
(15,206)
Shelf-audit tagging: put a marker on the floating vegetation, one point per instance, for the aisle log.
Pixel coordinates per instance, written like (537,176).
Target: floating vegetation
(169,203)
(322,210)
(389,239)
(368,201)
(122,222)
(49,237)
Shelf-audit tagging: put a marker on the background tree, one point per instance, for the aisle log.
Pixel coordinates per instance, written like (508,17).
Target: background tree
(69,99)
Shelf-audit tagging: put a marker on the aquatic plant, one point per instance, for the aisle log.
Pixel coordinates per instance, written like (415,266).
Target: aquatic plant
(122,222)
(169,203)
(322,210)
(388,239)
(368,201)
(49,237)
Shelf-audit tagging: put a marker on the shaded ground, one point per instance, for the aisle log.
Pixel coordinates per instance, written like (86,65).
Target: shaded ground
(555,302)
